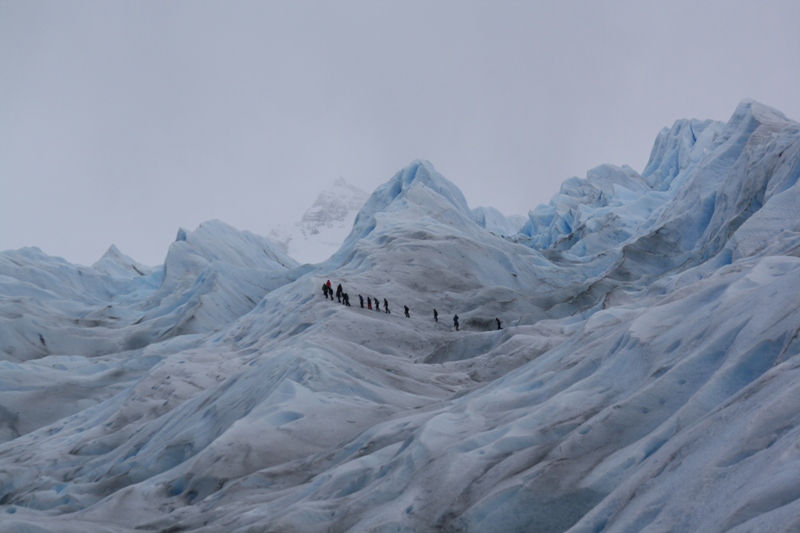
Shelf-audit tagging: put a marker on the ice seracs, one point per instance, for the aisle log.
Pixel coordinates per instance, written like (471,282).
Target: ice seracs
(115,263)
(87,332)
(643,381)
(496,222)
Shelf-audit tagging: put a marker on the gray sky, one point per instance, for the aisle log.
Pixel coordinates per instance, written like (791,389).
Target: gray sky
(122,121)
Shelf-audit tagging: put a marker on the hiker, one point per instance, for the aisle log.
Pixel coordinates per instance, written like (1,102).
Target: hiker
(325,290)
(339,293)
(362,301)
(346,299)
(386,305)
(377,305)
(435,315)
(498,323)
(406,308)
(369,303)
(330,289)
(455,322)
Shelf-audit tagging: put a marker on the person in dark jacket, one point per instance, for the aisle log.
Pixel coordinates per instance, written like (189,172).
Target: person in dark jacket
(455,322)
(362,301)
(346,299)
(339,293)
(406,309)
(369,303)
(377,305)
(498,323)
(325,290)
(386,305)
(435,315)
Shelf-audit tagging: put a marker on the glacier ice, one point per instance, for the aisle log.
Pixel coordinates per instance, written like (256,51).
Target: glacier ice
(645,378)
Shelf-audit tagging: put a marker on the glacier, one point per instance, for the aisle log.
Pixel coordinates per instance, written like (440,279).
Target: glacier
(645,378)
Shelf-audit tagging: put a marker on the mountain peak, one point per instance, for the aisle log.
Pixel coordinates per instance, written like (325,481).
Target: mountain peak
(322,228)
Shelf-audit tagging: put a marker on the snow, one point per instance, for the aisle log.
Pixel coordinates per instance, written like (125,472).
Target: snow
(322,228)
(645,379)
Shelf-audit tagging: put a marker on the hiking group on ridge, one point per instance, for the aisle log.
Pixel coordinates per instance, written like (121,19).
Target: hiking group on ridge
(344,299)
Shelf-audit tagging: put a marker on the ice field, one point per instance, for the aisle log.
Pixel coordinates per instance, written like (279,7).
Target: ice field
(646,377)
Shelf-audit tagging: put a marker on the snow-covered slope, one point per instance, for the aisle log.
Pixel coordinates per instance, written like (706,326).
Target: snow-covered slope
(645,379)
(322,229)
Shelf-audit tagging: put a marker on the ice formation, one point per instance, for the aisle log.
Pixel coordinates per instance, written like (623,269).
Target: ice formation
(644,380)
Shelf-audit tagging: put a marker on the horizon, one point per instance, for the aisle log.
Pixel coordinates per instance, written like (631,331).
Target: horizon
(243,112)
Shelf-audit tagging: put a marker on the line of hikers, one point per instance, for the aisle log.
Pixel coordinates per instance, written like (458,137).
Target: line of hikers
(343,298)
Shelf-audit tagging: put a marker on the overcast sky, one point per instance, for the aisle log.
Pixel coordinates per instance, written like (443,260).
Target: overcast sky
(122,121)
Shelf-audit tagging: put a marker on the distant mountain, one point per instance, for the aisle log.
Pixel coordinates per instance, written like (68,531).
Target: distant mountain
(322,229)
